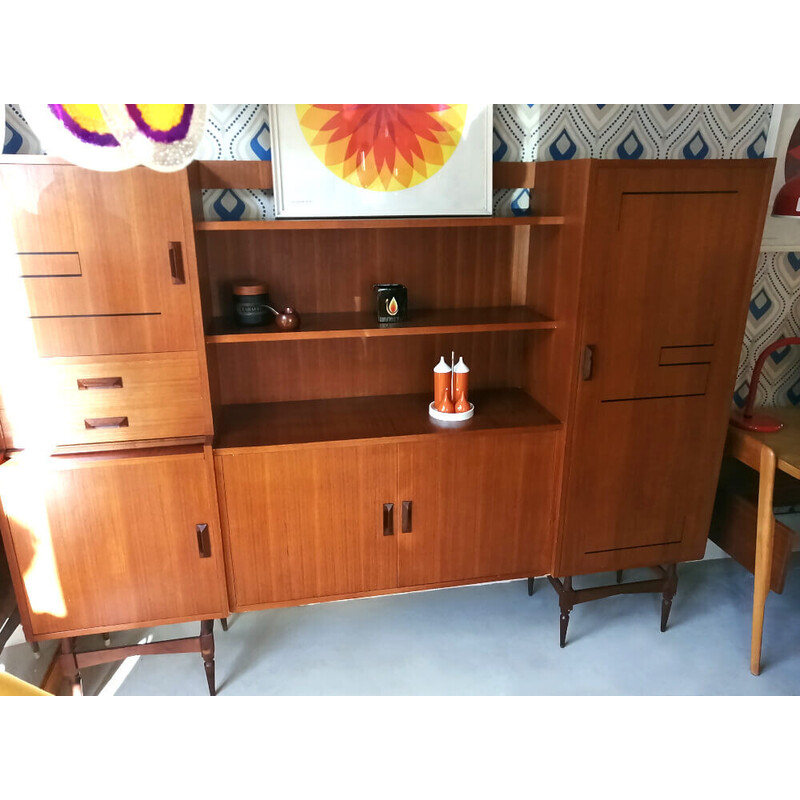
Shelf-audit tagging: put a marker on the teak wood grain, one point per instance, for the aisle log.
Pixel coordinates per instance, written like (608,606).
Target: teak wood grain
(121,225)
(160,395)
(364,324)
(647,439)
(334,270)
(480,505)
(272,425)
(261,372)
(104,543)
(309,523)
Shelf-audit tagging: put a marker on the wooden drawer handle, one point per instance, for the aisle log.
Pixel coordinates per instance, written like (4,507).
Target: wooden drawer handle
(587,367)
(106,422)
(203,541)
(176,263)
(99,383)
(405,518)
(388,519)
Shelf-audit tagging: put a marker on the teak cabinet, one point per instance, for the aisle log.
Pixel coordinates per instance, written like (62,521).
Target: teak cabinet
(602,333)
(342,520)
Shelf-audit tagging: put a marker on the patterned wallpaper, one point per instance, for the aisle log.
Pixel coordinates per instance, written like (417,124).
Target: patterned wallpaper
(537,131)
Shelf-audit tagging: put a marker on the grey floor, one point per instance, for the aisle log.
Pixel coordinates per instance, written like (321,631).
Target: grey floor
(493,640)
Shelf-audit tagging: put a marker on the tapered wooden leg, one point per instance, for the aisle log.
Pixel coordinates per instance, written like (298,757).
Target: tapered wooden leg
(565,602)
(765,534)
(670,587)
(69,666)
(35,648)
(207,651)
(224,622)
(530,587)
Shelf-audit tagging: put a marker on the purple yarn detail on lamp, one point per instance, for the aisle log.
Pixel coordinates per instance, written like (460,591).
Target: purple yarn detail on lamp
(174,134)
(90,137)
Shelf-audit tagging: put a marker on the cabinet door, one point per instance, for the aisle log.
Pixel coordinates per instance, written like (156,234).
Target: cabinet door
(481,507)
(102,257)
(310,523)
(107,542)
(672,252)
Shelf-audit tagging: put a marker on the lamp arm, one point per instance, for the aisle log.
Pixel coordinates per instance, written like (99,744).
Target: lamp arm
(753,391)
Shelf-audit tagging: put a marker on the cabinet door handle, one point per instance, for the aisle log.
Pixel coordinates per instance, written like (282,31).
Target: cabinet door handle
(588,362)
(388,519)
(176,263)
(203,541)
(405,519)
(99,383)
(105,422)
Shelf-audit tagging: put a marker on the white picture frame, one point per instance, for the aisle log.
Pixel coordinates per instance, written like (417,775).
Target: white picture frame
(305,187)
(781,234)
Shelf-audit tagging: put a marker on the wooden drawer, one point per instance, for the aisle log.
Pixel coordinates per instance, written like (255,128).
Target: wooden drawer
(112,399)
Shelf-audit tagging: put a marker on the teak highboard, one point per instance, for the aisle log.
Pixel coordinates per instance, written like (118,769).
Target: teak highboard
(166,465)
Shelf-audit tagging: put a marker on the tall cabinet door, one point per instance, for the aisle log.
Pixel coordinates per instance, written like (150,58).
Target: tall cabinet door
(310,523)
(476,507)
(101,257)
(668,270)
(100,542)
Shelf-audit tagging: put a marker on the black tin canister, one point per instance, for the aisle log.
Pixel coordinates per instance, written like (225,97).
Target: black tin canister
(391,302)
(251,304)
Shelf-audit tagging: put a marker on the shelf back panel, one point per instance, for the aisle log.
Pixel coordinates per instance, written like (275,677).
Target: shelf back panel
(308,370)
(335,270)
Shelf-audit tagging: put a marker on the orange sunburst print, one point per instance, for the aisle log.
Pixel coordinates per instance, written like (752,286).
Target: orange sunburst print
(382,147)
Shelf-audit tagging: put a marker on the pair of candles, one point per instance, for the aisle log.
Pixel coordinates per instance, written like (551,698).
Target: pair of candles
(450,385)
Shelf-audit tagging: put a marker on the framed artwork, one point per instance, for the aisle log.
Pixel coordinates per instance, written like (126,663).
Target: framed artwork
(782,233)
(358,160)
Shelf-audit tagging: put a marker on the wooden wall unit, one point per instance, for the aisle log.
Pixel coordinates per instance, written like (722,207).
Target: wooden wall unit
(331,480)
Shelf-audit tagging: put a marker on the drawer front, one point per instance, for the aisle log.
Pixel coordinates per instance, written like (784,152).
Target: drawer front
(113,399)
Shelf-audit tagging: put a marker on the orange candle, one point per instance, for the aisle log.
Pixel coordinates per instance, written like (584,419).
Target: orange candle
(461,386)
(441,387)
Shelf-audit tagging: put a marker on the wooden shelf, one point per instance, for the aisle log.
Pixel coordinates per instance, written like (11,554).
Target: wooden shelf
(382,222)
(363,324)
(390,417)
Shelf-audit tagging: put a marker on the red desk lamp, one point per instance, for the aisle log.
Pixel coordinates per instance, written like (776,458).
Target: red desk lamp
(760,422)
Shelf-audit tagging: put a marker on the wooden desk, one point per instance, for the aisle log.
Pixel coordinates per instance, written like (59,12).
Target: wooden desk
(766,452)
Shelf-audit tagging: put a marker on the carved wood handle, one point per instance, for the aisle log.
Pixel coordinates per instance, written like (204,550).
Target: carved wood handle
(388,519)
(176,263)
(106,422)
(588,362)
(203,541)
(405,519)
(99,383)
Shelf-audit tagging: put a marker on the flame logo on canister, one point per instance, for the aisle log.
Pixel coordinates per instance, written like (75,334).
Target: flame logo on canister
(391,307)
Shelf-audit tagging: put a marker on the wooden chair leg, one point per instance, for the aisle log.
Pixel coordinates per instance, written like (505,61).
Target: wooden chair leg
(207,651)
(670,588)
(530,587)
(224,623)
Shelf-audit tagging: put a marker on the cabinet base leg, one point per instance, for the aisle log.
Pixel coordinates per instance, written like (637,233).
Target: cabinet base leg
(224,622)
(71,661)
(666,584)
(530,587)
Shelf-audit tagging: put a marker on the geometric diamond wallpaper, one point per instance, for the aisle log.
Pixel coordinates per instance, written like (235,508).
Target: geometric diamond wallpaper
(548,132)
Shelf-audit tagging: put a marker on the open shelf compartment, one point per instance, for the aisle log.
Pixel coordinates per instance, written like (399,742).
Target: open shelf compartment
(286,424)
